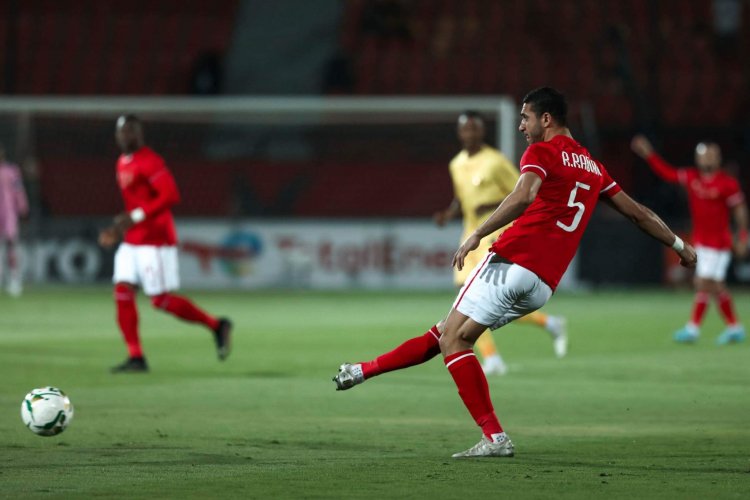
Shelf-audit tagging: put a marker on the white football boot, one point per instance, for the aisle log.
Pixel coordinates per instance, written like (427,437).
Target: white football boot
(494,365)
(486,448)
(348,376)
(15,286)
(557,326)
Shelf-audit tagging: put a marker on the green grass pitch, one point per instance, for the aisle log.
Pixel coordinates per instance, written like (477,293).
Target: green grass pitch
(628,414)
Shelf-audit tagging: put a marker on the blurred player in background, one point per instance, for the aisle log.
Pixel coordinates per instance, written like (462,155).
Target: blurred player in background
(13,204)
(147,256)
(551,205)
(712,195)
(482,177)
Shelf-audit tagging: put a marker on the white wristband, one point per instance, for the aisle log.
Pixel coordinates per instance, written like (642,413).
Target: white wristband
(137,215)
(678,244)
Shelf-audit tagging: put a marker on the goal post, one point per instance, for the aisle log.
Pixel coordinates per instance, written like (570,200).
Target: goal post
(501,110)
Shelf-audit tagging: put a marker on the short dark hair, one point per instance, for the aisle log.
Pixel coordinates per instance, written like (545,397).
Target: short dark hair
(548,100)
(471,114)
(130,118)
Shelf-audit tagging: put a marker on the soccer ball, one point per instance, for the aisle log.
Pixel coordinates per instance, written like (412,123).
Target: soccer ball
(46,411)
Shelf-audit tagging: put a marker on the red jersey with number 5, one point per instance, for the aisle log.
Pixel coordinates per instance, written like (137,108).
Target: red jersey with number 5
(545,237)
(146,183)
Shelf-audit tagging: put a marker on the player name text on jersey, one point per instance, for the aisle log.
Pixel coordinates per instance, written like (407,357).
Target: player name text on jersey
(580,161)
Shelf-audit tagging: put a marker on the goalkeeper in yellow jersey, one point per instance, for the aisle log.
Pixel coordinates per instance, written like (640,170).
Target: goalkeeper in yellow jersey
(482,178)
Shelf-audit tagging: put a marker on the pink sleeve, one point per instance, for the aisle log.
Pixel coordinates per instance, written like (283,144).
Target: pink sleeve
(532,161)
(609,185)
(19,193)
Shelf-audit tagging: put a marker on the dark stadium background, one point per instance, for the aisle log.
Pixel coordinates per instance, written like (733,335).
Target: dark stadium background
(676,70)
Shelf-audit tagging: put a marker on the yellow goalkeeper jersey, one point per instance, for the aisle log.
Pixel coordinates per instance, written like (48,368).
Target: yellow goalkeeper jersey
(485,178)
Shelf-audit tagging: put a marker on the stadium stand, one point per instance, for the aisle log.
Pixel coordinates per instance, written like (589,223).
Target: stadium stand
(656,66)
(506,47)
(91,47)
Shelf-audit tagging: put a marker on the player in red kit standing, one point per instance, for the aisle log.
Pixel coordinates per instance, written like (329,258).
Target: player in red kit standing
(552,203)
(147,256)
(712,195)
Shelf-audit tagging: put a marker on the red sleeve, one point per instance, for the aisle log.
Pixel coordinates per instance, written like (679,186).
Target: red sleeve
(733,193)
(161,181)
(609,186)
(663,169)
(532,161)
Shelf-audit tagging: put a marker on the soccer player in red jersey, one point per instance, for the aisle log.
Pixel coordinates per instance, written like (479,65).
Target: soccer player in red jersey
(147,255)
(551,205)
(712,195)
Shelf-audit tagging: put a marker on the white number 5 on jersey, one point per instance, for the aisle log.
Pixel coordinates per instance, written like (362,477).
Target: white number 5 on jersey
(572,203)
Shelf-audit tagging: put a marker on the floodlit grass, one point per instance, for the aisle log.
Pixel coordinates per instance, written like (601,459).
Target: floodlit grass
(628,414)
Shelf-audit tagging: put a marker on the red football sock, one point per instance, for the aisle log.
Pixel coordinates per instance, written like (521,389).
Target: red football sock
(474,391)
(726,306)
(184,309)
(700,303)
(412,352)
(127,318)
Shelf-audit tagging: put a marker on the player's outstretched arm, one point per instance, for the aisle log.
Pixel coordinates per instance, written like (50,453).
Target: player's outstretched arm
(739,212)
(643,148)
(442,216)
(651,224)
(509,210)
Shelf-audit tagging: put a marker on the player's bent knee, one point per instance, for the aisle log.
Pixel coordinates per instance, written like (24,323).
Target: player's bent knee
(710,286)
(124,291)
(160,301)
(467,336)
(451,341)
(445,343)
(440,326)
